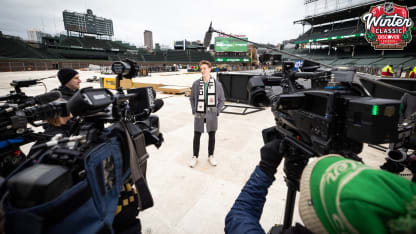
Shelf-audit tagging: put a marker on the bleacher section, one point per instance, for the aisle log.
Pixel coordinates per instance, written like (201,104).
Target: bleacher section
(370,61)
(70,42)
(64,47)
(79,54)
(367,61)
(332,30)
(93,43)
(15,48)
(392,61)
(154,57)
(121,45)
(198,56)
(179,56)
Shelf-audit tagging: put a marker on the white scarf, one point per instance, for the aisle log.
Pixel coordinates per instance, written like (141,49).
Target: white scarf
(211,93)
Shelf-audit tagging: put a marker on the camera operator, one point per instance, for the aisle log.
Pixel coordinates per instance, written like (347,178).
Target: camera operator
(337,195)
(70,83)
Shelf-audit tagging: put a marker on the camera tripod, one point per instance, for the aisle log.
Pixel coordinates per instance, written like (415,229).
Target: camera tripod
(296,156)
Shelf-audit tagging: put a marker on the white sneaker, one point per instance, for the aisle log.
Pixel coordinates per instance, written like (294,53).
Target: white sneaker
(212,160)
(193,162)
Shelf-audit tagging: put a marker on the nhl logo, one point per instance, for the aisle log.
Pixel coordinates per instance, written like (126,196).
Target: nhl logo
(388,26)
(388,7)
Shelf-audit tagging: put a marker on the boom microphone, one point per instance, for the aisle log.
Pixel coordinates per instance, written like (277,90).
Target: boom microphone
(47,97)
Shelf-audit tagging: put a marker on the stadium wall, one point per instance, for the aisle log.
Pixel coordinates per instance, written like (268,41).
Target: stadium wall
(9,64)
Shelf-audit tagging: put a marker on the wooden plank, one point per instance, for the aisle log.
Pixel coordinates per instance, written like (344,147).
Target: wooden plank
(141,85)
(173,89)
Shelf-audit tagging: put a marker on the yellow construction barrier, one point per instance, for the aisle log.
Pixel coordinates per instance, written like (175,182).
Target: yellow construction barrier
(110,83)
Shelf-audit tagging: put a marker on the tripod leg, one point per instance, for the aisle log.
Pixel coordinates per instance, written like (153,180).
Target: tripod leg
(295,162)
(290,204)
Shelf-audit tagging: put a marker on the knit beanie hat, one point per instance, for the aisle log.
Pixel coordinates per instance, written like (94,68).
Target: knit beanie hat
(66,74)
(339,195)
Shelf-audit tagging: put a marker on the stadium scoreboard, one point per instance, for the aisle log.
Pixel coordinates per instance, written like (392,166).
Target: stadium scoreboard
(229,44)
(231,50)
(87,23)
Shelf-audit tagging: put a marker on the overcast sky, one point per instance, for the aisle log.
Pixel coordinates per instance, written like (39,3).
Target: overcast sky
(262,20)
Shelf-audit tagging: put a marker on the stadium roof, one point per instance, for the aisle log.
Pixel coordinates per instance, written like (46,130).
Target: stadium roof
(345,13)
(331,38)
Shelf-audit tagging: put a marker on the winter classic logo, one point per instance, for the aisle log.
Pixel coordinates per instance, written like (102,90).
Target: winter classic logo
(388,26)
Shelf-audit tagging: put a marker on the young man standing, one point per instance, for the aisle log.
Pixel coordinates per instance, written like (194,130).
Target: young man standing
(207,100)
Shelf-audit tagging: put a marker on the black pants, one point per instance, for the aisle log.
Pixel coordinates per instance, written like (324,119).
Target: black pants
(211,143)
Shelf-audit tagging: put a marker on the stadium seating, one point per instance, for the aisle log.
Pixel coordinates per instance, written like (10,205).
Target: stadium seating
(64,47)
(366,52)
(134,57)
(79,54)
(366,61)
(179,56)
(327,61)
(15,48)
(343,62)
(94,43)
(119,45)
(392,61)
(410,63)
(329,30)
(196,56)
(65,41)
(154,57)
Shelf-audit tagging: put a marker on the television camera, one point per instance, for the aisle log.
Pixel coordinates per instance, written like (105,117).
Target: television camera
(337,115)
(16,112)
(337,118)
(106,149)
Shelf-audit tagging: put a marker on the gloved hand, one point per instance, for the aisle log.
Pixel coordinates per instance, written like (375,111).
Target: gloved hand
(270,157)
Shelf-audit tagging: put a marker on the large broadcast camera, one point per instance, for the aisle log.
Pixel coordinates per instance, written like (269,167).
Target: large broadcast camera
(337,118)
(106,149)
(16,113)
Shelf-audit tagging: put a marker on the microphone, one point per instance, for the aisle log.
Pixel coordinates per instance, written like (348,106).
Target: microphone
(41,99)
(158,105)
(208,36)
(24,83)
(47,97)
